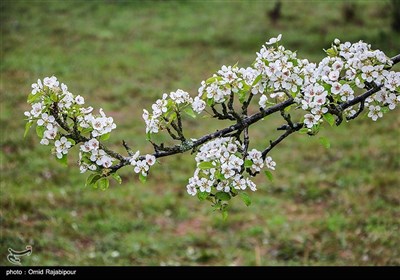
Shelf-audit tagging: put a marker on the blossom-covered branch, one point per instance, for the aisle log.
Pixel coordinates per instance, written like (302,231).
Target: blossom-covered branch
(350,79)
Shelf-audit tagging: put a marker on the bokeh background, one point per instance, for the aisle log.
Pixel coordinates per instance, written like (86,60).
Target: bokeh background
(337,206)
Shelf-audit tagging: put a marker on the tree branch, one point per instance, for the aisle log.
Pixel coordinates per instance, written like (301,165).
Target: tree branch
(290,130)
(242,124)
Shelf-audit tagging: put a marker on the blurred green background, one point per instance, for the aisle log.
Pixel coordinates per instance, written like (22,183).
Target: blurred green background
(325,207)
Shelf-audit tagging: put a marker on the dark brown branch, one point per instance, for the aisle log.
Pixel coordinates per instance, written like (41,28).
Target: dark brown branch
(290,130)
(247,103)
(127,148)
(232,109)
(173,136)
(61,122)
(360,109)
(224,115)
(396,59)
(246,141)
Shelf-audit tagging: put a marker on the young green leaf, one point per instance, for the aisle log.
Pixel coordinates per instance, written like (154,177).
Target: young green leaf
(92,179)
(256,80)
(202,195)
(34,97)
(28,125)
(224,214)
(269,175)
(189,111)
(223,196)
(53,97)
(142,178)
(325,142)
(246,198)
(303,130)
(210,102)
(329,118)
(103,183)
(219,176)
(248,163)
(205,165)
(72,141)
(211,80)
(105,137)
(40,129)
(242,96)
(385,110)
(331,52)
(86,130)
(63,160)
(117,177)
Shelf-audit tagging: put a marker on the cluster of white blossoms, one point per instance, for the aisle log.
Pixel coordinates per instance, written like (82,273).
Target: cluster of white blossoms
(258,163)
(143,165)
(165,110)
(220,167)
(336,79)
(91,156)
(227,81)
(50,97)
(98,125)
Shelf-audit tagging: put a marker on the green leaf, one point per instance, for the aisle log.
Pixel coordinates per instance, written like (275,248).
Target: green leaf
(148,136)
(256,80)
(224,214)
(223,196)
(63,160)
(172,116)
(104,137)
(287,109)
(331,52)
(327,87)
(92,179)
(219,176)
(269,175)
(295,62)
(248,163)
(34,97)
(142,178)
(202,195)
(72,141)
(304,130)
(385,110)
(205,165)
(325,142)
(242,96)
(40,129)
(213,79)
(329,118)
(189,111)
(246,198)
(117,177)
(28,125)
(86,130)
(210,102)
(103,183)
(53,97)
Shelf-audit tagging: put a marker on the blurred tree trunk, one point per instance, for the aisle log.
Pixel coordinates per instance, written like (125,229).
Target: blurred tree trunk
(396,15)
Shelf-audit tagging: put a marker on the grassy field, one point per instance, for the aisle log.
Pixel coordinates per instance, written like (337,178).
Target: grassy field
(325,207)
